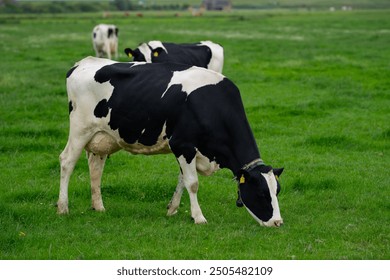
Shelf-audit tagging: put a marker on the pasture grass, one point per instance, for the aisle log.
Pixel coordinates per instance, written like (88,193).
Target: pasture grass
(315,86)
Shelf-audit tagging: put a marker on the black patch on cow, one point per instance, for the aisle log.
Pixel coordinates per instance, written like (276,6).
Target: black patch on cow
(70,71)
(115,73)
(214,122)
(70,107)
(255,195)
(137,110)
(110,32)
(265,168)
(191,54)
(101,109)
(94,35)
(210,119)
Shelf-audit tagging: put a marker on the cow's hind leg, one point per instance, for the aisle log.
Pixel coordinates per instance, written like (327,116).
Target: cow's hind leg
(190,181)
(175,201)
(68,159)
(108,49)
(96,166)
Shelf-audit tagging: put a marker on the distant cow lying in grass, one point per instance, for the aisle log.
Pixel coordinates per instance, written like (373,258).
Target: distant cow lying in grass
(205,54)
(154,108)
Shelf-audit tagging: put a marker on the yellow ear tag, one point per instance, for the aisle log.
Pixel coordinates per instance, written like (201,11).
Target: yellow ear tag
(242,179)
(277,177)
(129,55)
(155,54)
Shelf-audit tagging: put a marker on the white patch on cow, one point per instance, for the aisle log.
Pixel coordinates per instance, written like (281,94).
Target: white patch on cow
(91,61)
(272,184)
(138,63)
(157,44)
(145,50)
(190,181)
(82,92)
(216,61)
(193,78)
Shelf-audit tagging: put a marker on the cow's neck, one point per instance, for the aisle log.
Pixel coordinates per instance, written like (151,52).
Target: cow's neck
(243,148)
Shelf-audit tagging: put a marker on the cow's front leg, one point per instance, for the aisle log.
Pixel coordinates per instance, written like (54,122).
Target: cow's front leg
(175,201)
(190,181)
(96,166)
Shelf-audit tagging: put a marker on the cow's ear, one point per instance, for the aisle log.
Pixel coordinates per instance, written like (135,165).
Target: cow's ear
(278,171)
(157,51)
(129,52)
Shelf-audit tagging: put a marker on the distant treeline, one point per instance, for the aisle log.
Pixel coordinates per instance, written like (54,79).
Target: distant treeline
(14,6)
(74,6)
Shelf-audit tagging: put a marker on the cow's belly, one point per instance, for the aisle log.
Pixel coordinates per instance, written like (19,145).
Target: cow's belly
(161,147)
(103,143)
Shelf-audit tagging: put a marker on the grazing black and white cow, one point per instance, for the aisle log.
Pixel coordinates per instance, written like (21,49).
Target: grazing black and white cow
(154,108)
(105,40)
(205,54)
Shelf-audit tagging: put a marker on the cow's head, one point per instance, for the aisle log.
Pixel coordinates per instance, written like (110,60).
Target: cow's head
(135,55)
(142,53)
(258,190)
(145,52)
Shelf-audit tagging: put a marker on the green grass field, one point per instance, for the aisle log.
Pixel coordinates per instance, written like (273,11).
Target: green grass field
(316,89)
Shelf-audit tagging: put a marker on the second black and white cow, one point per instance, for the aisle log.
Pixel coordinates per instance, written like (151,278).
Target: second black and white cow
(205,54)
(153,108)
(105,40)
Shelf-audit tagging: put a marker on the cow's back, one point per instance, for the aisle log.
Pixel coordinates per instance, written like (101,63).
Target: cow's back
(205,54)
(191,54)
(138,104)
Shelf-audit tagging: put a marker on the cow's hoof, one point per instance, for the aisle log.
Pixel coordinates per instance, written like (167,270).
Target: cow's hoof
(172,209)
(62,210)
(200,220)
(171,212)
